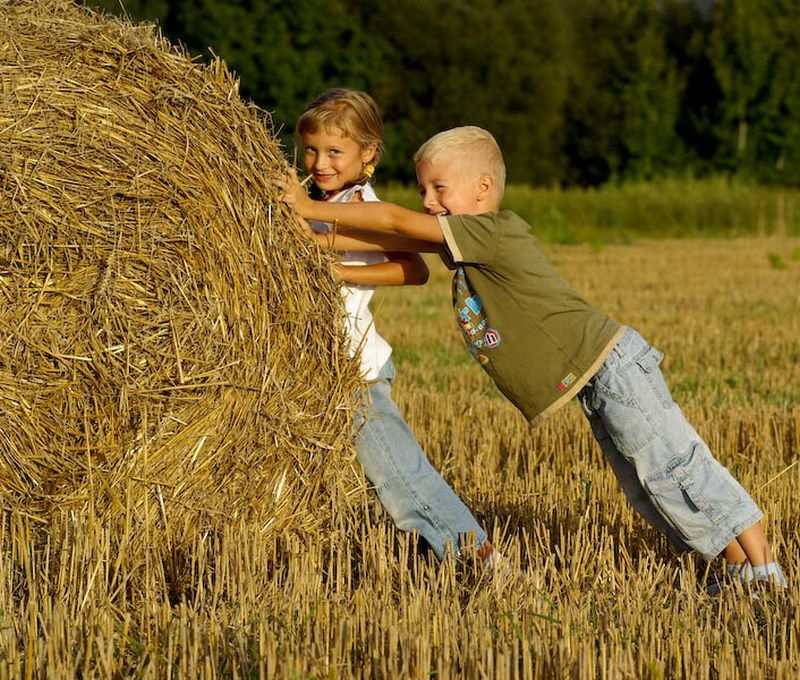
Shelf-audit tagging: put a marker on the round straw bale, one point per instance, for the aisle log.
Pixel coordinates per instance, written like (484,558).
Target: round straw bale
(170,345)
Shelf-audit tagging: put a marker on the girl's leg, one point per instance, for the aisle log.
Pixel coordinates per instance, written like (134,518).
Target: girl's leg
(409,487)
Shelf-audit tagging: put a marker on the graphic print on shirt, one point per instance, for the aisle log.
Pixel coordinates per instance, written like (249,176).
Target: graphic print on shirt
(472,318)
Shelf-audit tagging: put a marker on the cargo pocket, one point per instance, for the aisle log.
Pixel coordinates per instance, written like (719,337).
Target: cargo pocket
(649,363)
(692,493)
(613,401)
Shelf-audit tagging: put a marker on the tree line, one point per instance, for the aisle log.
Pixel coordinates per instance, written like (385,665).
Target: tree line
(577,92)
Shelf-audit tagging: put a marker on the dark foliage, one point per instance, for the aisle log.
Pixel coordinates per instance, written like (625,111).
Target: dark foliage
(576,91)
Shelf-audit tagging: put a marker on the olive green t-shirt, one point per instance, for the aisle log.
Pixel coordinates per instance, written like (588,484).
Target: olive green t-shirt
(538,339)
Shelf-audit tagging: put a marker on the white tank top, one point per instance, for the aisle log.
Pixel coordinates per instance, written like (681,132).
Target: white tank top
(375,351)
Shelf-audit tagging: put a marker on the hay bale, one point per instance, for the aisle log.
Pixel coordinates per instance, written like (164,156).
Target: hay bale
(169,343)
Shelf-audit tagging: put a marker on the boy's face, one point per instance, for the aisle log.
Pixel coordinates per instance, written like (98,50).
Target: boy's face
(448,187)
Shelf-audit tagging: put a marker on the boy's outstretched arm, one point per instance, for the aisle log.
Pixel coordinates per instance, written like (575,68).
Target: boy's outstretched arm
(344,239)
(401,269)
(379,217)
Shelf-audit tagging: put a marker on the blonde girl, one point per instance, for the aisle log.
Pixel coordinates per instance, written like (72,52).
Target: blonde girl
(341,134)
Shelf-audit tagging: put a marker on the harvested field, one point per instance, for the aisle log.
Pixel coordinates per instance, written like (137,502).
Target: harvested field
(601,595)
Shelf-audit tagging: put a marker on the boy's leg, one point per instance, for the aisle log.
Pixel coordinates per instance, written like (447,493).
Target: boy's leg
(750,558)
(409,487)
(753,543)
(688,486)
(734,554)
(627,477)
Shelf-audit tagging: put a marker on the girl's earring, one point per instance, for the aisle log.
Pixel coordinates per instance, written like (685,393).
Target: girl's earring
(369,170)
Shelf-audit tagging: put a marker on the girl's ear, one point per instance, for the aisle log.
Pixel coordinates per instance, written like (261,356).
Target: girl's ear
(368,153)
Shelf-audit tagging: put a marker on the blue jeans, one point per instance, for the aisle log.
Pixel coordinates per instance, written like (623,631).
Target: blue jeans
(409,487)
(666,470)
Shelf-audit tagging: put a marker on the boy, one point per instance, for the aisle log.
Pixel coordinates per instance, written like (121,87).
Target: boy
(543,344)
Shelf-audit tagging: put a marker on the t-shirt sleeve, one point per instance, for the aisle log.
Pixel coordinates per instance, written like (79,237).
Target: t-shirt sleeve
(470,239)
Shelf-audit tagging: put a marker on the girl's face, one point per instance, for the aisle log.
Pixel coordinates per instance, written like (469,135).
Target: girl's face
(333,160)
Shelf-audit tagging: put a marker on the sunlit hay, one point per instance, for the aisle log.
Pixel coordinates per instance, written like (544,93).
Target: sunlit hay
(170,347)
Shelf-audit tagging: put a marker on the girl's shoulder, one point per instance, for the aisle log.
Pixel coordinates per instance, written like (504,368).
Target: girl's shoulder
(368,193)
(357,192)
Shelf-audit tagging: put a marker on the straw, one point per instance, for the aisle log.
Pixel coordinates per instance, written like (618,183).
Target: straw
(167,334)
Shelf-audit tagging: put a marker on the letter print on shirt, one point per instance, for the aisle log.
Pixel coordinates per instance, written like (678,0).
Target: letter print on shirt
(472,319)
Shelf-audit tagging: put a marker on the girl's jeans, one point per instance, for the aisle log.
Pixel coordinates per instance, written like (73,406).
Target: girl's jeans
(409,487)
(665,469)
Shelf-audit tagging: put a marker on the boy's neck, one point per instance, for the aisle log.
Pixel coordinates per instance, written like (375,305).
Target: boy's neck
(493,208)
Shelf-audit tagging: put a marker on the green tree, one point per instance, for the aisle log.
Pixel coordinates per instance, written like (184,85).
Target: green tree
(285,51)
(489,63)
(625,90)
(576,91)
(649,91)
(138,10)
(687,28)
(753,49)
(780,155)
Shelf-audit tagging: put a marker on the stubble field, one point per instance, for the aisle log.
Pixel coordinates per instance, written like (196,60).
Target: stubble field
(600,595)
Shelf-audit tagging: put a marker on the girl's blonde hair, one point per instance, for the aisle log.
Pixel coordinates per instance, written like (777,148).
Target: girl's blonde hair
(475,146)
(355,113)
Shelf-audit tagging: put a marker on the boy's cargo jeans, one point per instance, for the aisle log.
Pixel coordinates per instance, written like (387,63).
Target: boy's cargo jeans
(665,469)
(409,487)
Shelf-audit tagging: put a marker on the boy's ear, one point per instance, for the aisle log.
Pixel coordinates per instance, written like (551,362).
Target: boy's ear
(485,187)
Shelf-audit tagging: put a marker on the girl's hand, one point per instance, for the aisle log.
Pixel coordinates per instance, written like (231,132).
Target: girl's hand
(292,191)
(306,225)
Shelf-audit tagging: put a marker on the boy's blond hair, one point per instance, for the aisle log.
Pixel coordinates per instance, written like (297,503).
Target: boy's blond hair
(355,113)
(475,145)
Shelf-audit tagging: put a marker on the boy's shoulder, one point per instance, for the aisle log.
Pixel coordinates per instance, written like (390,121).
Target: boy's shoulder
(494,226)
(508,219)
(503,219)
(487,237)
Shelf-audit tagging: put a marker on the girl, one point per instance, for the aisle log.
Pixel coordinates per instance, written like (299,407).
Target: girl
(341,133)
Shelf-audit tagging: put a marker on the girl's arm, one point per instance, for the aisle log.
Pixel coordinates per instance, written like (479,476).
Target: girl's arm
(402,269)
